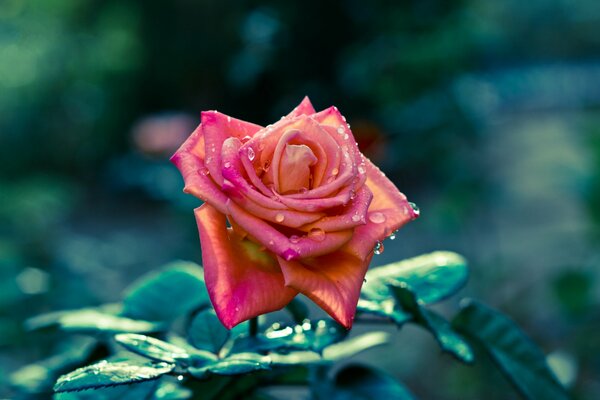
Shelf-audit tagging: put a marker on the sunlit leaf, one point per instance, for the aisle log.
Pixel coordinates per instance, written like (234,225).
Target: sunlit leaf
(175,290)
(450,341)
(357,382)
(386,308)
(355,345)
(105,374)
(433,277)
(153,348)
(91,320)
(519,359)
(206,332)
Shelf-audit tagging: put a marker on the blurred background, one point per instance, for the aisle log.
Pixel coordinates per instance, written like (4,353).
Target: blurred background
(485,113)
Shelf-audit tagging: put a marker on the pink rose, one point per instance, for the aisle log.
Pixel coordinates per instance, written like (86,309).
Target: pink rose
(290,208)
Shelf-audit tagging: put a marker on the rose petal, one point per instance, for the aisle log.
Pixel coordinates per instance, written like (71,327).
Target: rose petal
(388,211)
(279,243)
(242,281)
(354,215)
(304,108)
(189,160)
(217,128)
(235,181)
(333,281)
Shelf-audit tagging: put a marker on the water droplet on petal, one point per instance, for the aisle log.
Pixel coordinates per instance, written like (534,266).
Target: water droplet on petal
(294,238)
(361,169)
(203,171)
(335,171)
(378,248)
(352,195)
(303,190)
(227,164)
(340,129)
(393,235)
(356,218)
(279,217)
(317,234)
(346,136)
(415,208)
(251,154)
(246,138)
(377,217)
(228,119)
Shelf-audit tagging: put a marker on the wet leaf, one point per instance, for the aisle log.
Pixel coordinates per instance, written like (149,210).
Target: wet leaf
(433,277)
(519,359)
(175,290)
(236,364)
(105,374)
(449,341)
(153,348)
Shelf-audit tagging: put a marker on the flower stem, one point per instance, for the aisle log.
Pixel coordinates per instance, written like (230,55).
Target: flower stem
(253,328)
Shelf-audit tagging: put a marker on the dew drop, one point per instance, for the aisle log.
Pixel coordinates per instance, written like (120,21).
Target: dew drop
(344,118)
(303,190)
(415,208)
(356,218)
(279,217)
(227,164)
(179,378)
(346,136)
(393,235)
(251,154)
(317,234)
(228,119)
(335,171)
(378,248)
(352,195)
(340,129)
(294,238)
(203,171)
(377,217)
(246,139)
(361,169)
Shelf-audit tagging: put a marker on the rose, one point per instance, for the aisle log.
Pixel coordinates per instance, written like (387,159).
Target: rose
(305,210)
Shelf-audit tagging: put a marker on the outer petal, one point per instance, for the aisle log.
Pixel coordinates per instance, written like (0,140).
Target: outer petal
(304,108)
(332,281)
(217,128)
(189,160)
(242,281)
(388,211)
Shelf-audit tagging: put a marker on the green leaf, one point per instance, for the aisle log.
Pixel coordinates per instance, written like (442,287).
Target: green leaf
(137,391)
(356,382)
(105,374)
(175,290)
(354,345)
(433,277)
(450,341)
(171,391)
(206,332)
(298,309)
(91,320)
(519,359)
(237,364)
(153,348)
(386,308)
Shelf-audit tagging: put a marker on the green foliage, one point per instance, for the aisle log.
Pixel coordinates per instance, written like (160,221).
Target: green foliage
(223,364)
(105,374)
(167,294)
(521,361)
(357,382)
(439,327)
(206,332)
